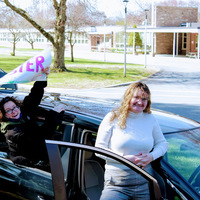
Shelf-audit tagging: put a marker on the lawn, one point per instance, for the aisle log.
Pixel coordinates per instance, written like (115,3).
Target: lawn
(84,73)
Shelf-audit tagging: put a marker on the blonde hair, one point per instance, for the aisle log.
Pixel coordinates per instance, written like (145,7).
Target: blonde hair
(121,113)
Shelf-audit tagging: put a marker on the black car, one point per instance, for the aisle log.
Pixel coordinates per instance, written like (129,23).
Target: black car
(76,173)
(7,88)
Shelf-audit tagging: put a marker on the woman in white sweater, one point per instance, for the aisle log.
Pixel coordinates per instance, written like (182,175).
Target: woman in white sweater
(133,132)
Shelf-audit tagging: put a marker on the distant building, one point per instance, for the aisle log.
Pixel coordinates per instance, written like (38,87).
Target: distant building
(90,38)
(175,31)
(176,17)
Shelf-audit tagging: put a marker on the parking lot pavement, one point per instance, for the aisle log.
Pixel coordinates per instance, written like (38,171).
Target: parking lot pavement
(176,92)
(175,88)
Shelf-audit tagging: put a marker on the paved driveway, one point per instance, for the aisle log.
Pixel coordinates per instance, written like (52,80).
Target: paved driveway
(177,92)
(175,88)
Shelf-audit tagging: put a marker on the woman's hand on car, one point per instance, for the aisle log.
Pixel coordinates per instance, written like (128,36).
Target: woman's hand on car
(141,160)
(59,108)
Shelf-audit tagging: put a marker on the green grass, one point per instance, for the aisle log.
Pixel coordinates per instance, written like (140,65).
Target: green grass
(24,49)
(84,73)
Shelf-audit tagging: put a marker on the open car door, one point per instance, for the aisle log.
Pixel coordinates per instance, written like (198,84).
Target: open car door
(66,187)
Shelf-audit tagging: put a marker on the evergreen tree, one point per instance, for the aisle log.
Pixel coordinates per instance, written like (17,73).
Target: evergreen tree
(138,40)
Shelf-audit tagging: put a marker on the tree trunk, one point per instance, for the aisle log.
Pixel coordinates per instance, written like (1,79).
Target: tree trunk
(72,53)
(59,56)
(58,41)
(13,54)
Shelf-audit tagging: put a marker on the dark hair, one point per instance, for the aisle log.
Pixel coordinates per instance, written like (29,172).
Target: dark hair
(5,100)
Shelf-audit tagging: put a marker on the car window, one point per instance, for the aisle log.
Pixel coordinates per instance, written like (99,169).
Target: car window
(7,88)
(62,133)
(184,155)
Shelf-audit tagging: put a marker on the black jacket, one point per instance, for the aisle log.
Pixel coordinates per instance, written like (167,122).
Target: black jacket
(25,138)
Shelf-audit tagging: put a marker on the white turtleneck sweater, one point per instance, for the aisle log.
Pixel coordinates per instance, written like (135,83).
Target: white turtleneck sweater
(141,135)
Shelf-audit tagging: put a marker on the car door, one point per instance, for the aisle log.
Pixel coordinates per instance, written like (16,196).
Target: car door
(26,182)
(181,164)
(82,186)
(22,182)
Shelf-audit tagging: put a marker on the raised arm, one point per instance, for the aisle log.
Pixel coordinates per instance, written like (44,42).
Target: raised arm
(34,98)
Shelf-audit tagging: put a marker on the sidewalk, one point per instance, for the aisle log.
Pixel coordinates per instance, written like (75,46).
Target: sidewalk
(163,62)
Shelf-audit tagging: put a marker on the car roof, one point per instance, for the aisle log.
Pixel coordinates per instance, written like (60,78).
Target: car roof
(170,122)
(93,110)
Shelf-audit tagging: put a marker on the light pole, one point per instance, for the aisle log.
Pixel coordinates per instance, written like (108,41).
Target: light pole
(145,47)
(104,38)
(125,5)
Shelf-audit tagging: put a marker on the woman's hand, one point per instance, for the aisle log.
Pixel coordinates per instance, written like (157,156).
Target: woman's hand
(133,158)
(59,108)
(46,71)
(141,160)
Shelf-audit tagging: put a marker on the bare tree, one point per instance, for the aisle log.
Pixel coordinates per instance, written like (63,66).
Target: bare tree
(142,5)
(136,18)
(13,27)
(30,37)
(45,16)
(16,35)
(179,3)
(79,15)
(58,38)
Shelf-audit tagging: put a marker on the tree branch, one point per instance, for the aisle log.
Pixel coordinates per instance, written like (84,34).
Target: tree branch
(25,15)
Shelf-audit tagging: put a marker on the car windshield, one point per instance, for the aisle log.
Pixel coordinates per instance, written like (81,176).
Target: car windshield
(184,155)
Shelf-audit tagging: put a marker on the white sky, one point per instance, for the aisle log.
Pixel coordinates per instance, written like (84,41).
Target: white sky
(111,8)
(116,7)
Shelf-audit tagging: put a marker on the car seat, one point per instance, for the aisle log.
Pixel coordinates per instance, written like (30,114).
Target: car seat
(93,176)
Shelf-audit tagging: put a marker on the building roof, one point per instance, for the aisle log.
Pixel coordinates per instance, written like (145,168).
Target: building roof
(104,29)
(166,30)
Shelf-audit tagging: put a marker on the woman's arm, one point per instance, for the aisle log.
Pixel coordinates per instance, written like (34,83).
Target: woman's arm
(52,120)
(34,98)
(104,133)
(160,143)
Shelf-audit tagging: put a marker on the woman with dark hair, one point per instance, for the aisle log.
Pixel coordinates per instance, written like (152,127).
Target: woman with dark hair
(131,131)
(25,138)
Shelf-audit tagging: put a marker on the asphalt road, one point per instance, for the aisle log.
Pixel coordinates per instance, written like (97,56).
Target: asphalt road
(175,88)
(178,93)
(173,91)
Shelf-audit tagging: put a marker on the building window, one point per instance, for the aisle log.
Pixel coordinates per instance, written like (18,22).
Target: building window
(93,29)
(184,41)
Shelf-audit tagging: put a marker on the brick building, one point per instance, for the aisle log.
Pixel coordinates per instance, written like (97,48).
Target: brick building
(174,30)
(176,17)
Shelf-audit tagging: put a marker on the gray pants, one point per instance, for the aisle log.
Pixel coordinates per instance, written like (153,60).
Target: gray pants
(125,185)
